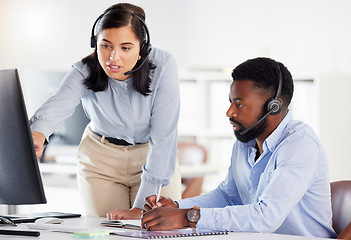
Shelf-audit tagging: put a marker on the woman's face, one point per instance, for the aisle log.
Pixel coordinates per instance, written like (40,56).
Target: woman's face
(118,51)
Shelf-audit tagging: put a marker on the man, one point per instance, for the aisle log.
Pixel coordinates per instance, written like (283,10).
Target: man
(278,180)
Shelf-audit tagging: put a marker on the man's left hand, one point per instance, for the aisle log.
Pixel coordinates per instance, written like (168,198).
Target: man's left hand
(163,218)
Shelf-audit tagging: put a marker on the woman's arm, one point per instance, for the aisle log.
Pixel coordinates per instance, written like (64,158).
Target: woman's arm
(165,109)
(60,106)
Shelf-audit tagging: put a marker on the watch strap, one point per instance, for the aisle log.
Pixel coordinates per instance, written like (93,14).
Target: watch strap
(192,225)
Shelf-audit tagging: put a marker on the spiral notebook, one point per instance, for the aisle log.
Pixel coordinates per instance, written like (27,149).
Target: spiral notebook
(187,232)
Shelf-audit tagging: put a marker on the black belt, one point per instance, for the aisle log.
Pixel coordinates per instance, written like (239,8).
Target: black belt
(118,141)
(115,140)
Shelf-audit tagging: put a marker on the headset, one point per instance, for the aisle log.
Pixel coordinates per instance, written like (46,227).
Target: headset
(145,48)
(273,106)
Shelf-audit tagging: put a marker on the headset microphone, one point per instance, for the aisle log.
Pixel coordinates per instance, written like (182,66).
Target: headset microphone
(272,105)
(136,69)
(258,122)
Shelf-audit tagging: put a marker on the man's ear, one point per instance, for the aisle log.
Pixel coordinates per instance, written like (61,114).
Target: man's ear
(284,107)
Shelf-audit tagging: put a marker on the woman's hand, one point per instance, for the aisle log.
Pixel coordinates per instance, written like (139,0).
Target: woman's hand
(38,141)
(133,213)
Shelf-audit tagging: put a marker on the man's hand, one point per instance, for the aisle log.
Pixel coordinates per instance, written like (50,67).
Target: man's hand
(162,202)
(38,141)
(133,213)
(164,218)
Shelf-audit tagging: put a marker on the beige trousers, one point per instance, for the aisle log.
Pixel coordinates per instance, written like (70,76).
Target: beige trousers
(109,174)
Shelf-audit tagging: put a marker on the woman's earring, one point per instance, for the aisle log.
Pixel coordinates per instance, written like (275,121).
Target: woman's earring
(139,57)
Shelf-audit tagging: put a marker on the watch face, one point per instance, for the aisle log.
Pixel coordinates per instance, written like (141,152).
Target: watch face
(193,215)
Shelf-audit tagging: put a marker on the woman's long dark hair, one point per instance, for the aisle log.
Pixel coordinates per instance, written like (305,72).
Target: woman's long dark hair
(120,15)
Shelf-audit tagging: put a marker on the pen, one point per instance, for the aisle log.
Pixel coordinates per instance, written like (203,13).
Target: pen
(158,194)
(19,232)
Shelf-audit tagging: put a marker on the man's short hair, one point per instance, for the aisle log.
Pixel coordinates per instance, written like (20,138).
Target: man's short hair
(264,72)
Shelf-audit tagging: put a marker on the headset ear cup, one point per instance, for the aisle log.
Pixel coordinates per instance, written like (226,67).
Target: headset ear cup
(145,49)
(274,106)
(92,41)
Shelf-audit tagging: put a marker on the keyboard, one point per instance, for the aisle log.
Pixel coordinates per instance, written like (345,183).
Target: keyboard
(60,227)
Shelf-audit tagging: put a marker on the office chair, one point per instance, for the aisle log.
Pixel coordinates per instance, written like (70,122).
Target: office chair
(341,208)
(195,155)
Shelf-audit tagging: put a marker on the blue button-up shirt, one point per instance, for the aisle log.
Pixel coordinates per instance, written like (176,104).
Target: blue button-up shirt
(121,112)
(287,190)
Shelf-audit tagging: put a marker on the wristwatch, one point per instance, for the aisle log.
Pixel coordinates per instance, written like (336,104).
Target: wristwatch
(193,216)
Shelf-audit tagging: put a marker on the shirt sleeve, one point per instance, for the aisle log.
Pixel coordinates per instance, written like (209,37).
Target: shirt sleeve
(162,156)
(225,194)
(287,185)
(60,106)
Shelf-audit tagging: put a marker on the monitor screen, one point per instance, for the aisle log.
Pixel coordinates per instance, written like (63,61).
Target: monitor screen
(20,179)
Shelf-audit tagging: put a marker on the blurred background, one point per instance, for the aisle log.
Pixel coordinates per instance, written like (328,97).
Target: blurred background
(43,38)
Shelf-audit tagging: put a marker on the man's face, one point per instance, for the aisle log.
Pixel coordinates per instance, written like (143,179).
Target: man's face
(246,108)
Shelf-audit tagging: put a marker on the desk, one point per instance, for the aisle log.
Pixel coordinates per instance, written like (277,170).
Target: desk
(93,222)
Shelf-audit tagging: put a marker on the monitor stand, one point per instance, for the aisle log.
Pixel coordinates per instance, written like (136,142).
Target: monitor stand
(11,209)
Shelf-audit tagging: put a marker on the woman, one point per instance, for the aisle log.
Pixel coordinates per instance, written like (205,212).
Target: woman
(130,93)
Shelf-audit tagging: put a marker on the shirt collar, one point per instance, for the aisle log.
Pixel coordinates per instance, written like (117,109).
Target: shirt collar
(271,142)
(126,83)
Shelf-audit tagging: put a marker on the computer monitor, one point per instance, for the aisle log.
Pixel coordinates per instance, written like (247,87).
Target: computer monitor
(20,179)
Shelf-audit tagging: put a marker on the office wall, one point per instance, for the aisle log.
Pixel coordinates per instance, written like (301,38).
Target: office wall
(311,37)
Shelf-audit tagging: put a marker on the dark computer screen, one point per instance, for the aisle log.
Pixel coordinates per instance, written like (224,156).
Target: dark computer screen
(20,180)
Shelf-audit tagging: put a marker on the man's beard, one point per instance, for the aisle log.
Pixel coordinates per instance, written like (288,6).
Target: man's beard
(253,133)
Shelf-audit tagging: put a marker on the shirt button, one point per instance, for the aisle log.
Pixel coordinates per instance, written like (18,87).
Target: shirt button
(253,171)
